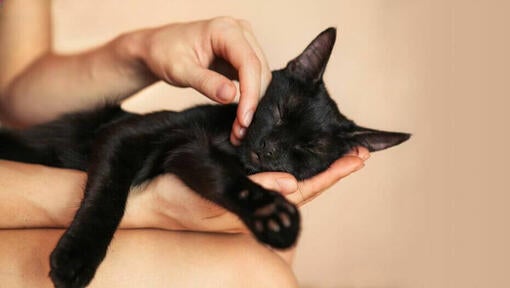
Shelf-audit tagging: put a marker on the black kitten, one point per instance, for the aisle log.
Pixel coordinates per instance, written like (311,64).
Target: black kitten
(297,128)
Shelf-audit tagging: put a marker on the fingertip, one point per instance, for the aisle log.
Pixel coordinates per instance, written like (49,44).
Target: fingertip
(226,92)
(348,163)
(234,140)
(238,130)
(287,185)
(363,153)
(211,84)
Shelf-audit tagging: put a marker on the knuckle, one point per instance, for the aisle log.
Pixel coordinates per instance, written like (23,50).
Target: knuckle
(175,74)
(152,45)
(245,24)
(176,69)
(223,22)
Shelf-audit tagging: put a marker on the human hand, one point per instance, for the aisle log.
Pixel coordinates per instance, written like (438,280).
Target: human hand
(179,208)
(188,54)
(165,203)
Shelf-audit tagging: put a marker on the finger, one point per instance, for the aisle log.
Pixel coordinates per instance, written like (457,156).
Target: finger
(361,152)
(237,133)
(213,85)
(311,188)
(277,181)
(265,70)
(234,48)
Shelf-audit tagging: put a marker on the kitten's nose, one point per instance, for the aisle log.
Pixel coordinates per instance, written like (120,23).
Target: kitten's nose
(268,149)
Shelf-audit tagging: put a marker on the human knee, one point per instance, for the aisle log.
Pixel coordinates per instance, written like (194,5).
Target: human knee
(253,265)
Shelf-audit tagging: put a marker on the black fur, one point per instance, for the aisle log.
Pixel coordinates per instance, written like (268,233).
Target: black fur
(297,129)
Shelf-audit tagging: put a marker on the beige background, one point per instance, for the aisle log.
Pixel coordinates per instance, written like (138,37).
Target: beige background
(430,213)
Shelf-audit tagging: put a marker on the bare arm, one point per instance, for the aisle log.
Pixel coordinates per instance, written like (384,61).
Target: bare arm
(34,196)
(22,43)
(37,85)
(56,84)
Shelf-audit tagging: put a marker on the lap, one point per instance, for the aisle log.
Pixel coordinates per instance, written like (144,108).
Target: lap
(151,258)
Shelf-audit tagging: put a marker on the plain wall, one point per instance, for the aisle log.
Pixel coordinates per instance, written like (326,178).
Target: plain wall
(430,213)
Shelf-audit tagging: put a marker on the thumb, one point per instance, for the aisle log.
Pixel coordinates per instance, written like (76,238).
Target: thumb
(213,85)
(278,181)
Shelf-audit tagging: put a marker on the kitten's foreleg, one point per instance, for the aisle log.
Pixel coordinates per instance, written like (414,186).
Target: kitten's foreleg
(219,177)
(83,246)
(123,155)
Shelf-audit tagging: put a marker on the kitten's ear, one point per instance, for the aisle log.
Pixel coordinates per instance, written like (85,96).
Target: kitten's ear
(309,66)
(375,140)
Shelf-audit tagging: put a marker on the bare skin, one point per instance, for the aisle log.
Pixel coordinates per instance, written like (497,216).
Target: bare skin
(151,258)
(33,196)
(170,257)
(164,203)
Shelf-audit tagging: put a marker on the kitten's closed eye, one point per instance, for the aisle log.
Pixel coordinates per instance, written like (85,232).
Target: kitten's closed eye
(308,148)
(278,116)
(318,145)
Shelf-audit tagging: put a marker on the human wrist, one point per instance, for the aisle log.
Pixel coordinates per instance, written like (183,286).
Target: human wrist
(129,48)
(143,210)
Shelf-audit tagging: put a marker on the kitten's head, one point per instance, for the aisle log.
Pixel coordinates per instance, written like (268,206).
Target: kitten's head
(298,128)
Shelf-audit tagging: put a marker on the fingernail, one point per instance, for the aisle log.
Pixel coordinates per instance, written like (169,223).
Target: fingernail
(234,141)
(224,93)
(287,185)
(247,118)
(357,154)
(242,131)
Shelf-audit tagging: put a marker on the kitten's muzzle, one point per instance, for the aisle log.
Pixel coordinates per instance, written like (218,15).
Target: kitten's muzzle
(268,149)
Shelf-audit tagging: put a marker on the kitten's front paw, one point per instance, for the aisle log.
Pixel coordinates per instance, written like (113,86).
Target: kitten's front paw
(71,265)
(277,222)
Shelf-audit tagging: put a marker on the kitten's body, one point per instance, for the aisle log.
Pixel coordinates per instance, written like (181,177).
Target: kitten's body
(297,128)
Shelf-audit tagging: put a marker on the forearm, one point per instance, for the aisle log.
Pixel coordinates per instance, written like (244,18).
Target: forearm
(56,84)
(30,196)
(33,196)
